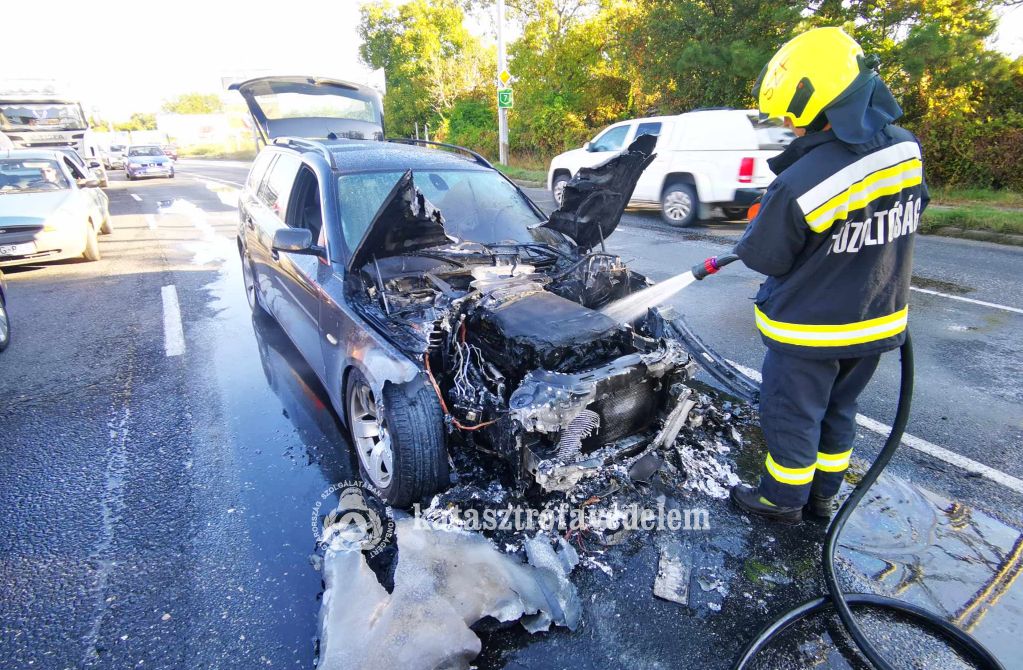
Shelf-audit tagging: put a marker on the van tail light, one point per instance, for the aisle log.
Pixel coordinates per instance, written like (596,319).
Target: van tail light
(746,171)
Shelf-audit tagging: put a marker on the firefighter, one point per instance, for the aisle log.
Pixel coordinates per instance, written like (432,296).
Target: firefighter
(834,235)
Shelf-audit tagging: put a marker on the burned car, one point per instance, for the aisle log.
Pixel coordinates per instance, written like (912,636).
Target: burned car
(441,308)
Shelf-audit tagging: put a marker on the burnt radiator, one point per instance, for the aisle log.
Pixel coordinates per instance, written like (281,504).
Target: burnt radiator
(625,411)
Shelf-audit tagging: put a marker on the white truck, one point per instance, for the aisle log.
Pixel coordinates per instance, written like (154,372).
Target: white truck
(705,159)
(35,114)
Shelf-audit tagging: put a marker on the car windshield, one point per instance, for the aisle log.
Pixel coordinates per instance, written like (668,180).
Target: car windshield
(31,175)
(145,151)
(478,206)
(41,116)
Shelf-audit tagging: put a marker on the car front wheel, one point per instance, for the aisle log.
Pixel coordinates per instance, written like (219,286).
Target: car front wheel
(5,326)
(679,205)
(399,439)
(558,188)
(91,243)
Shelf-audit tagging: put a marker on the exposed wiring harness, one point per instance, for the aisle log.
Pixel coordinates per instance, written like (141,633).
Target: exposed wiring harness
(444,406)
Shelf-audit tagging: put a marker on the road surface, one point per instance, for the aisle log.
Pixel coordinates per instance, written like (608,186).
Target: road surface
(163,452)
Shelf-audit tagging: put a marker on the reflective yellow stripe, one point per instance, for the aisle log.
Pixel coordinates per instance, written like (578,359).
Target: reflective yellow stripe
(832,335)
(792,476)
(888,181)
(833,462)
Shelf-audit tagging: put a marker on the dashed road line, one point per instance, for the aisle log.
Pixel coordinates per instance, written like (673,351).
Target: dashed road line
(215,179)
(173,334)
(994,305)
(921,445)
(151,221)
(137,197)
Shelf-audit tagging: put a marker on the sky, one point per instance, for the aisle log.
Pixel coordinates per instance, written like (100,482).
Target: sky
(121,56)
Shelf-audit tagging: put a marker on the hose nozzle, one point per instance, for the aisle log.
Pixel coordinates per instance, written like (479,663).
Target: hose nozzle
(711,265)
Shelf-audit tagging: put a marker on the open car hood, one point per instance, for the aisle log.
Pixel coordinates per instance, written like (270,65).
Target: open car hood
(593,202)
(405,222)
(312,107)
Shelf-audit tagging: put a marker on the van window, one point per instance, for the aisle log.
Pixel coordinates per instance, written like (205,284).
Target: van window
(649,128)
(611,140)
(276,188)
(258,170)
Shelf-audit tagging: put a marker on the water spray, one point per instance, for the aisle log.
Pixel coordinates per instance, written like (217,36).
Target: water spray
(835,598)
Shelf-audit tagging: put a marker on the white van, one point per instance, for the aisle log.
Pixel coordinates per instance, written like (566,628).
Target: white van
(705,158)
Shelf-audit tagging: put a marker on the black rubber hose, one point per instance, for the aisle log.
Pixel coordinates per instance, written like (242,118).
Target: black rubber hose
(962,640)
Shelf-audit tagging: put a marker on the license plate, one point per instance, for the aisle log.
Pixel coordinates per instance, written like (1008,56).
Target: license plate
(17,249)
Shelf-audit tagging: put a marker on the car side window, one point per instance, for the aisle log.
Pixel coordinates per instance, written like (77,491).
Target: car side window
(611,140)
(258,170)
(649,128)
(278,184)
(305,210)
(76,172)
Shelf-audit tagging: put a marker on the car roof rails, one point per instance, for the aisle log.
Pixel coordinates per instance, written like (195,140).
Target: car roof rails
(308,145)
(472,154)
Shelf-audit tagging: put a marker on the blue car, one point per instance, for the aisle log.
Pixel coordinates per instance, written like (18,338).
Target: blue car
(147,160)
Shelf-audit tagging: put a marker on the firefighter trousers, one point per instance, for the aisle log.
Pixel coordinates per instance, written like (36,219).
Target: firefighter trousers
(808,414)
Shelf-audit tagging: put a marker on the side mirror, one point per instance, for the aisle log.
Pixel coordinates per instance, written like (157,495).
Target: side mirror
(588,146)
(87,183)
(295,241)
(94,163)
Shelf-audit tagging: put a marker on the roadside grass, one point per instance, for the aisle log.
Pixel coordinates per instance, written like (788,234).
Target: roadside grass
(973,217)
(222,151)
(526,174)
(976,196)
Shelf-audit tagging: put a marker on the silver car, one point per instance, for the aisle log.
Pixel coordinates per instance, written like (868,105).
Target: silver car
(50,208)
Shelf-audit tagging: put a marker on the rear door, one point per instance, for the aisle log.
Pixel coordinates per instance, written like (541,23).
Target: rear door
(312,107)
(648,188)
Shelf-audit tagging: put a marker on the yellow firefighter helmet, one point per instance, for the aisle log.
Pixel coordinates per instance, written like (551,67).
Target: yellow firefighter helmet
(811,72)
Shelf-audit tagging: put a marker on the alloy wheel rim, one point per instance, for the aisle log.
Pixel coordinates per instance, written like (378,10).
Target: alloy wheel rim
(678,205)
(372,439)
(559,191)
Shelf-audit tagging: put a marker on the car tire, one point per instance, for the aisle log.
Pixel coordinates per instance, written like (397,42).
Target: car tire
(735,213)
(172,174)
(107,227)
(91,252)
(249,282)
(5,326)
(409,434)
(679,205)
(558,187)
(128,175)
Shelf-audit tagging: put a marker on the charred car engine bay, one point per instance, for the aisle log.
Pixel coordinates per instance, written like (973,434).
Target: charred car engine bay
(511,336)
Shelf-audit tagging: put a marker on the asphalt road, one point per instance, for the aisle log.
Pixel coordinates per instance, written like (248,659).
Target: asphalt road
(157,481)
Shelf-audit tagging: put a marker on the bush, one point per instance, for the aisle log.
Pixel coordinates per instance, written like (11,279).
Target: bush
(970,152)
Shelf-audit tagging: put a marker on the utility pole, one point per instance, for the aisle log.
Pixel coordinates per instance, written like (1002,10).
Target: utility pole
(502,63)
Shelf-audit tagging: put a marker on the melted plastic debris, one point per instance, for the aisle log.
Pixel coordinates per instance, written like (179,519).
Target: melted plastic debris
(444,582)
(672,579)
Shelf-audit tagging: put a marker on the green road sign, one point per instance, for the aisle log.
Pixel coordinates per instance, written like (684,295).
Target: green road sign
(504,98)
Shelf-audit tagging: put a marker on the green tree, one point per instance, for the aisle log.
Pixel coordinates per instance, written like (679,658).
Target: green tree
(430,61)
(138,121)
(194,103)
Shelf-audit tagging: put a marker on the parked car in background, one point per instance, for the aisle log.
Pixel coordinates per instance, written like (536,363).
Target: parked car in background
(705,159)
(5,317)
(170,150)
(113,157)
(147,160)
(93,165)
(49,208)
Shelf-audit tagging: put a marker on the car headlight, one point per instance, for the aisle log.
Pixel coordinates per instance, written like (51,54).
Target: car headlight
(59,220)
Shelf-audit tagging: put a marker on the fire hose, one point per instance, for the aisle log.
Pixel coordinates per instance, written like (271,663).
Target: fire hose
(835,598)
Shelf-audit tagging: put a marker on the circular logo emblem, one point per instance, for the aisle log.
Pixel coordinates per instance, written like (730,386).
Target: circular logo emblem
(359,521)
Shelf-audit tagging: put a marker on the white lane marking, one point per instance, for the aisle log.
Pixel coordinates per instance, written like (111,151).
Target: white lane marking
(137,197)
(1015,310)
(173,335)
(216,179)
(920,444)
(151,221)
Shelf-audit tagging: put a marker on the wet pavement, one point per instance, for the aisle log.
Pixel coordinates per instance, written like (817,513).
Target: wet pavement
(158,507)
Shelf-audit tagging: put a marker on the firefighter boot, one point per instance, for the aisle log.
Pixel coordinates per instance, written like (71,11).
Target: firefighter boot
(749,500)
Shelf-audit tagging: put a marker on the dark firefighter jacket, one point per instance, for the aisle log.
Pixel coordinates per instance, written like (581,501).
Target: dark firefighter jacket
(835,236)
